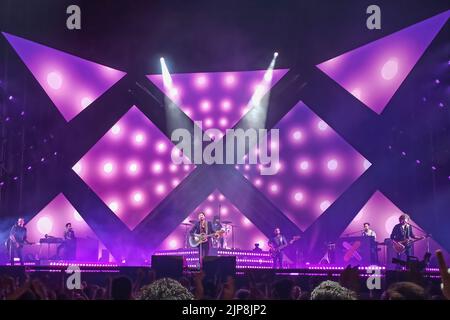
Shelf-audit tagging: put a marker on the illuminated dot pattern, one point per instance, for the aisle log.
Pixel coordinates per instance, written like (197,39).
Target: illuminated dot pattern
(316,167)
(218,99)
(130,167)
(246,234)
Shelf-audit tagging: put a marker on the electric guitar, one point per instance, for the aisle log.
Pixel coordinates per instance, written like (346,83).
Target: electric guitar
(400,246)
(9,243)
(275,251)
(196,239)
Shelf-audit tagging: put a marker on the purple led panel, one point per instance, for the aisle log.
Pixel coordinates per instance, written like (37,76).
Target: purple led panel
(130,167)
(383,215)
(218,99)
(70,82)
(373,73)
(316,166)
(245,233)
(51,220)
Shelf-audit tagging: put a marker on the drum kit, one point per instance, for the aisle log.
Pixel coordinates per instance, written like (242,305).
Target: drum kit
(222,242)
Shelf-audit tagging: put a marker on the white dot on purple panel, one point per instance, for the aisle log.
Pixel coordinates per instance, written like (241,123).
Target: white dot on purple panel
(137,197)
(115,130)
(175,182)
(188,112)
(273,145)
(77,168)
(246,221)
(209,122)
(133,168)
(139,138)
(297,135)
(211,197)
(85,101)
(304,165)
(225,105)
(108,167)
(54,80)
(389,69)
(77,216)
(173,244)
(160,188)
(224,210)
(230,80)
(258,182)
(201,81)
(332,165)
(274,188)
(186,167)
(208,211)
(45,225)
(161,147)
(244,110)
(391,222)
(357,93)
(174,92)
(223,122)
(173,168)
(298,196)
(114,206)
(366,164)
(157,167)
(324,205)
(322,125)
(205,105)
(221,197)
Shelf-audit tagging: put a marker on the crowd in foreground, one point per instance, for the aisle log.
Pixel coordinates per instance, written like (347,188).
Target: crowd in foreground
(196,286)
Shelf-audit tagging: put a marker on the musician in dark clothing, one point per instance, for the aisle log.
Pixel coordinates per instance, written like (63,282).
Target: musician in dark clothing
(17,238)
(217,226)
(402,232)
(202,227)
(69,246)
(275,243)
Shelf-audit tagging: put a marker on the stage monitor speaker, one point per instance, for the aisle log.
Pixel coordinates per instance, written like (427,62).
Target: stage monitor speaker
(219,267)
(168,266)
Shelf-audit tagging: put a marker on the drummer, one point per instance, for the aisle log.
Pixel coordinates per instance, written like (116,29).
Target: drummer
(216,227)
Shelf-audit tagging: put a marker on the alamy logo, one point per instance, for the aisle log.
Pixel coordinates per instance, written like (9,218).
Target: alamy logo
(74,280)
(374,278)
(238,142)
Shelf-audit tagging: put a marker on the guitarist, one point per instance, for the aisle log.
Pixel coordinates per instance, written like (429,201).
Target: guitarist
(276,242)
(403,232)
(202,227)
(17,238)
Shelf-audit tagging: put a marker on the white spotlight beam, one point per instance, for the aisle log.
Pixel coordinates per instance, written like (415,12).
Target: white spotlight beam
(259,101)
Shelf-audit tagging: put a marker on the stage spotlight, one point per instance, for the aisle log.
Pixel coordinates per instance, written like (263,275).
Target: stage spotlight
(275,54)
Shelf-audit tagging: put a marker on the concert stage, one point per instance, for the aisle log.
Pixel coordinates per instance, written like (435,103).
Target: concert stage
(291,137)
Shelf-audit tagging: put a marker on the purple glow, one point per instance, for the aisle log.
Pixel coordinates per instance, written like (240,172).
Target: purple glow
(132,177)
(210,205)
(51,220)
(383,215)
(321,167)
(70,82)
(373,73)
(210,97)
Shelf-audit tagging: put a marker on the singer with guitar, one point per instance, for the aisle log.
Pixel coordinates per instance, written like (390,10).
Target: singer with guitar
(403,237)
(17,239)
(201,234)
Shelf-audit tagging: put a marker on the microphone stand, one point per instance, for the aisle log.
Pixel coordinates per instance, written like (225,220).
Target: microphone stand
(427,235)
